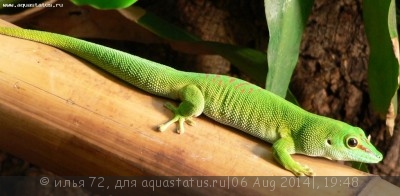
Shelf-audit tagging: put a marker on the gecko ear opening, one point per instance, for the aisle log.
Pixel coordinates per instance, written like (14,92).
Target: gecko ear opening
(328,141)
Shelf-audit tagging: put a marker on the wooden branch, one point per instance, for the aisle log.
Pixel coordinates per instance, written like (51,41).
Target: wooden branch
(61,113)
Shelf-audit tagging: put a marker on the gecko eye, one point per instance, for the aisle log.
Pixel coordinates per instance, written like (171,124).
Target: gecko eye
(352,142)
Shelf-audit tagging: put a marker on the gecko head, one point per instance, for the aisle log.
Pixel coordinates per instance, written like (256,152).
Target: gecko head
(351,144)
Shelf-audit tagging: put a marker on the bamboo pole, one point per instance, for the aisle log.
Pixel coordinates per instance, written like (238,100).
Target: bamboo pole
(61,113)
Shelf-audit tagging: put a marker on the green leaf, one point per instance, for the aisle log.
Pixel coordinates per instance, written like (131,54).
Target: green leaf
(250,61)
(392,24)
(383,67)
(286,21)
(105,4)
(291,98)
(360,166)
(158,25)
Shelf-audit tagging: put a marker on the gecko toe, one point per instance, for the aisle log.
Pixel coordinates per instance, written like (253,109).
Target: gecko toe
(301,170)
(190,121)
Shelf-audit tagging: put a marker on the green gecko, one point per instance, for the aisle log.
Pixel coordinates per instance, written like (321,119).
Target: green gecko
(227,100)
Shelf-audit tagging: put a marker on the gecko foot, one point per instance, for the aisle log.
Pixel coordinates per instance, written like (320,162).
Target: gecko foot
(301,170)
(177,118)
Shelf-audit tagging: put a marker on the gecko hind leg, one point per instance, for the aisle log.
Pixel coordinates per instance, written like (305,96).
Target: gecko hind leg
(192,105)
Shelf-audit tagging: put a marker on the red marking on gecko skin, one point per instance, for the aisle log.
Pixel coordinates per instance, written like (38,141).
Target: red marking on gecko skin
(361,147)
(232,80)
(239,85)
(216,77)
(251,90)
